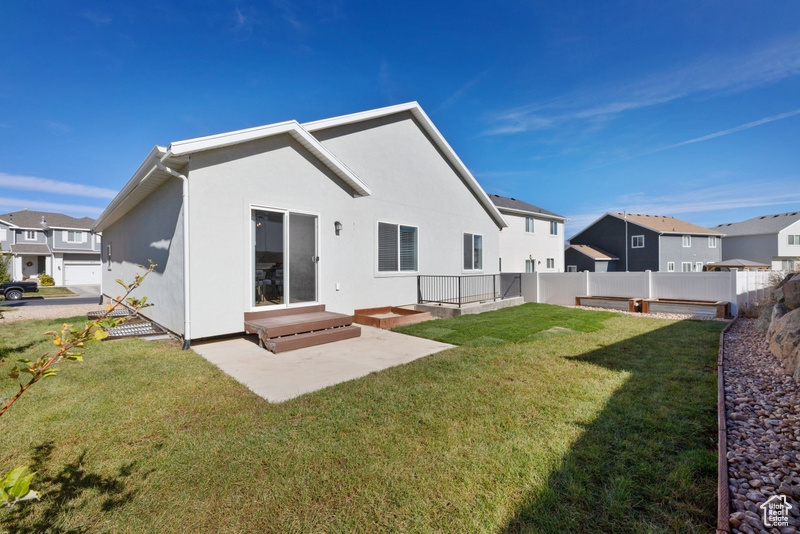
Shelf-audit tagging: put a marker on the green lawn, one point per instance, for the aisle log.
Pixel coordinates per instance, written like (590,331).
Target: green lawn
(610,429)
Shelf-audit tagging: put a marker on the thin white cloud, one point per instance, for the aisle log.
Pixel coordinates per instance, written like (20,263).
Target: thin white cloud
(76,210)
(58,126)
(98,19)
(725,196)
(33,183)
(739,128)
(461,91)
(733,73)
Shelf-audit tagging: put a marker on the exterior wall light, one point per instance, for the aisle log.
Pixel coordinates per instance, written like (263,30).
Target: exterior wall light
(338,227)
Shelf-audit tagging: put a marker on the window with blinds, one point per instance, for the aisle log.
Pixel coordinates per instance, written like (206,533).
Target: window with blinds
(397,248)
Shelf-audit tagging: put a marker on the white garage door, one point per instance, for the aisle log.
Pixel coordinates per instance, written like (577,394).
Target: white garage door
(81,274)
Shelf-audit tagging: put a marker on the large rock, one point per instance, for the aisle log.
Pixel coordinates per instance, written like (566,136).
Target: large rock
(778,311)
(784,341)
(764,319)
(788,293)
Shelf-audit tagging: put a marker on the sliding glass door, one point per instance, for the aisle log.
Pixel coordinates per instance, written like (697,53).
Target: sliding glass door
(284,257)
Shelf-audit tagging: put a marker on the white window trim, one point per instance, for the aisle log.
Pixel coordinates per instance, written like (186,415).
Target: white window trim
(532,225)
(551,263)
(79,235)
(698,266)
(684,264)
(793,237)
(532,264)
(27,233)
(670,266)
(399,270)
(686,241)
(633,241)
(472,252)
(554,224)
(712,241)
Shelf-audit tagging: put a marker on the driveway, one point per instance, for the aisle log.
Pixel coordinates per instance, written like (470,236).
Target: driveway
(283,376)
(89,294)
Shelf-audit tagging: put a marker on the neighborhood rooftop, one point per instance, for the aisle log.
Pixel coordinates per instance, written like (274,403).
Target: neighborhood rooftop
(512,204)
(35,219)
(665,224)
(594,252)
(765,224)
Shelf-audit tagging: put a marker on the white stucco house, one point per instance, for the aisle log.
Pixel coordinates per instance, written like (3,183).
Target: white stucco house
(533,240)
(49,243)
(769,239)
(344,212)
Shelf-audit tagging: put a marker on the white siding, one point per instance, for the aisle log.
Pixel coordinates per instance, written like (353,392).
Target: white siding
(517,245)
(411,185)
(151,231)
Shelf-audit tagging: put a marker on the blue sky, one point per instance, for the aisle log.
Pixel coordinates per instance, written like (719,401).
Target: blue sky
(681,108)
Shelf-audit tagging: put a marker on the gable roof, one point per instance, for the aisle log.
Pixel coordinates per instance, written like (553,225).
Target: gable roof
(163,162)
(32,220)
(664,224)
(438,139)
(765,224)
(512,205)
(593,252)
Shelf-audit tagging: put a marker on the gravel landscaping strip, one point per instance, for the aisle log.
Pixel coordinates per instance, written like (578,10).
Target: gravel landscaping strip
(762,407)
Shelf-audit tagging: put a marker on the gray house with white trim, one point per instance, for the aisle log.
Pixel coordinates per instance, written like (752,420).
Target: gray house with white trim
(344,212)
(636,242)
(769,239)
(51,243)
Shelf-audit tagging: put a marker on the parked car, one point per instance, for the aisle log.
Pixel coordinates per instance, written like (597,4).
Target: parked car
(14,290)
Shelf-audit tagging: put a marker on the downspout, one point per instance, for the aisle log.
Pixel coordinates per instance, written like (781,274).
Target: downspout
(187,300)
(625,216)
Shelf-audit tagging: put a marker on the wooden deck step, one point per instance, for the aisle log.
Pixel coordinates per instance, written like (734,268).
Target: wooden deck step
(286,325)
(309,339)
(294,328)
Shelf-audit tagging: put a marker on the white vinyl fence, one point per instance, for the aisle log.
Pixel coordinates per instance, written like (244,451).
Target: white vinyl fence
(740,288)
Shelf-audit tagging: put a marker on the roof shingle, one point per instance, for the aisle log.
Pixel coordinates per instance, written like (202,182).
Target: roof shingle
(665,224)
(33,219)
(518,205)
(765,224)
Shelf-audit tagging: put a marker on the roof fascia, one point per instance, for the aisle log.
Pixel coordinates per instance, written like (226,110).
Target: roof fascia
(140,176)
(9,224)
(532,214)
(441,143)
(293,128)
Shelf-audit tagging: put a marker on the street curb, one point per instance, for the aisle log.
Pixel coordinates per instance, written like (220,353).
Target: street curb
(723,491)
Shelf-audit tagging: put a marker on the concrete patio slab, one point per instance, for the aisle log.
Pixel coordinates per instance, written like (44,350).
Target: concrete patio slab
(283,376)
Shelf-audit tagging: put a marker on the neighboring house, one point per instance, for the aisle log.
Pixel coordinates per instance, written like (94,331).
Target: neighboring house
(770,239)
(534,239)
(588,258)
(344,212)
(634,242)
(51,243)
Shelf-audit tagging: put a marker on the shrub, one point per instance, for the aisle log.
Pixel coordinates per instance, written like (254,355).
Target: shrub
(5,262)
(46,280)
